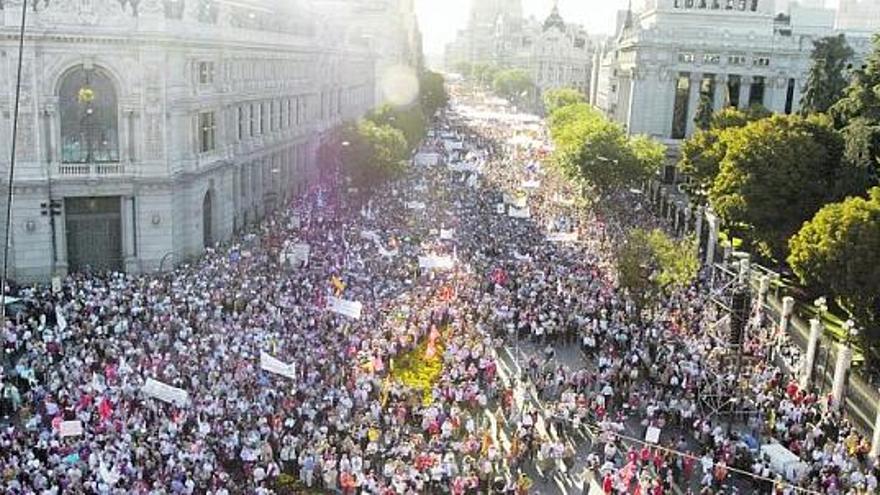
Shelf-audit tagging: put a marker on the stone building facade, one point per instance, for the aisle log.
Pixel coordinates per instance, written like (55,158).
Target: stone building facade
(556,54)
(157,128)
(651,76)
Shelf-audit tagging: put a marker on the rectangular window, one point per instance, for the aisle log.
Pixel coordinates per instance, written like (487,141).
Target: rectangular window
(289,113)
(736,59)
(761,61)
(207,131)
(711,58)
(264,114)
(789,96)
(686,58)
(756,91)
(680,109)
(206,72)
(252,123)
(242,123)
(272,111)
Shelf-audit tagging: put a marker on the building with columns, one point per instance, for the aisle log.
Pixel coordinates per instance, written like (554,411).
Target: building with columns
(650,77)
(160,127)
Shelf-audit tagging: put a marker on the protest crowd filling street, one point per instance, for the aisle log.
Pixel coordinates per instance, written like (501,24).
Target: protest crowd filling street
(275,357)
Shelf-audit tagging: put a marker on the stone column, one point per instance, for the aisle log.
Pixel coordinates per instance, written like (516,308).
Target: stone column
(696,80)
(745,89)
(719,99)
(712,220)
(810,356)
(841,367)
(128,234)
(688,212)
(875,442)
(745,270)
(698,224)
(787,310)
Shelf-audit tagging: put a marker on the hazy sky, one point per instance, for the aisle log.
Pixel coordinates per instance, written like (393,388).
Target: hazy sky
(439,20)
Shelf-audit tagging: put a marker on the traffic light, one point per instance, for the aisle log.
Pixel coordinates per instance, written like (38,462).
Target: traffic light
(53,208)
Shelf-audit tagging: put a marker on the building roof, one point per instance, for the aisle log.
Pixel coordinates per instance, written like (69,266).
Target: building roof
(554,19)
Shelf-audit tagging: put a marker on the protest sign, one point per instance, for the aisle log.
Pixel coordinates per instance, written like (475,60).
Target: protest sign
(499,208)
(56,284)
(415,205)
(447,234)
(351,309)
(516,200)
(562,237)
(426,159)
(522,257)
(60,320)
(273,365)
(531,184)
(165,393)
(519,212)
(370,235)
(652,435)
(70,429)
(386,253)
(434,262)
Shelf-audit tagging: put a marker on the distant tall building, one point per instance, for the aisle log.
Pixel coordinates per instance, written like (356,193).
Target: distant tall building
(556,53)
(651,76)
(859,15)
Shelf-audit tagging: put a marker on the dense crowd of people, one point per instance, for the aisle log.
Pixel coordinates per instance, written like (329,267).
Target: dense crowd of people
(346,423)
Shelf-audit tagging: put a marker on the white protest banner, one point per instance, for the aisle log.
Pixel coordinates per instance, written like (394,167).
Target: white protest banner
(453,145)
(531,184)
(517,201)
(522,257)
(60,320)
(70,429)
(297,255)
(165,393)
(652,435)
(387,254)
(519,212)
(370,235)
(352,309)
(273,365)
(432,262)
(427,159)
(447,234)
(499,208)
(472,181)
(56,284)
(562,237)
(415,205)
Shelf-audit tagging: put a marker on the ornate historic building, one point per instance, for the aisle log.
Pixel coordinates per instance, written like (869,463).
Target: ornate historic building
(151,129)
(651,76)
(557,54)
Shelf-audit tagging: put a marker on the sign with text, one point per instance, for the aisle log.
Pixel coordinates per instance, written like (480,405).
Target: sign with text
(514,212)
(351,309)
(273,365)
(70,429)
(434,262)
(562,237)
(165,393)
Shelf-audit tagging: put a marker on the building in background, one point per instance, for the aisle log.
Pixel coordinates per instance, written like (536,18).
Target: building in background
(859,15)
(651,76)
(154,129)
(387,27)
(556,54)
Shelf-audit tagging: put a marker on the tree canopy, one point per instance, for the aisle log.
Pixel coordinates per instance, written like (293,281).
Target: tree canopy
(828,77)
(513,84)
(373,153)
(591,148)
(775,174)
(651,263)
(408,120)
(562,97)
(432,92)
(838,251)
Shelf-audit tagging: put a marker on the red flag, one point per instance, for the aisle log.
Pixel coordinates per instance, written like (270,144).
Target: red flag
(105,409)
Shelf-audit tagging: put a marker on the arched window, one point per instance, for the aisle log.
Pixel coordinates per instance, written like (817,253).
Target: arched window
(89,117)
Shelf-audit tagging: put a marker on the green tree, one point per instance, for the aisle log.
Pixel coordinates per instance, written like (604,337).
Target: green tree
(513,84)
(775,174)
(827,79)
(562,97)
(408,120)
(484,74)
(651,264)
(701,154)
(649,153)
(432,92)
(703,115)
(372,153)
(838,252)
(562,117)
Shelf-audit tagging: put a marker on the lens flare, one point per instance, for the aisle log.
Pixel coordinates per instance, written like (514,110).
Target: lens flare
(400,86)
